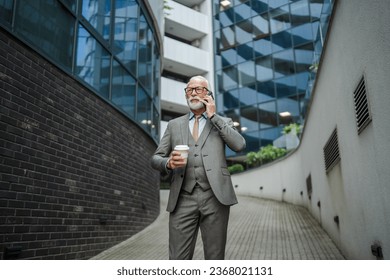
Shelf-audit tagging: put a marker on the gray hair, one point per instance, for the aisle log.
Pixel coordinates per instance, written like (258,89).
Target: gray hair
(199,78)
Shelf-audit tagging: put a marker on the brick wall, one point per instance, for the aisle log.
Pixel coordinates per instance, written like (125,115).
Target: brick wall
(75,175)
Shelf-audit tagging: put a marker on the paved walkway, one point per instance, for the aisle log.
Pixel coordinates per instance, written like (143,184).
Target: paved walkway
(258,230)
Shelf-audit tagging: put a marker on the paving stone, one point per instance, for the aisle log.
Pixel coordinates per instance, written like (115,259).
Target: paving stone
(259,229)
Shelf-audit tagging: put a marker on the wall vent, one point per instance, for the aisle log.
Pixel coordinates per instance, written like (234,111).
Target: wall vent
(331,151)
(362,110)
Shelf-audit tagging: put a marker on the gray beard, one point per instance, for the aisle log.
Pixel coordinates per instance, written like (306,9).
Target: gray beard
(195,106)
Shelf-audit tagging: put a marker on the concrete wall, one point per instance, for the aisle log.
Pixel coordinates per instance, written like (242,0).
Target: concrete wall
(357,189)
(75,175)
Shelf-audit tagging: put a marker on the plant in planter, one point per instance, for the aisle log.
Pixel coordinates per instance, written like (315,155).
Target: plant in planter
(264,155)
(294,128)
(291,132)
(314,67)
(253,159)
(270,153)
(167,8)
(236,168)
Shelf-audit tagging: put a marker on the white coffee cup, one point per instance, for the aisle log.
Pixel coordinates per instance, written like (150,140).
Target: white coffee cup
(183,149)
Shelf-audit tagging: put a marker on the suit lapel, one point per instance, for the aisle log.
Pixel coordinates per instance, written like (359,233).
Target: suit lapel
(205,133)
(185,128)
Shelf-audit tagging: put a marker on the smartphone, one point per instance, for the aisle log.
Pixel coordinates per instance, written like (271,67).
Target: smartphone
(209,93)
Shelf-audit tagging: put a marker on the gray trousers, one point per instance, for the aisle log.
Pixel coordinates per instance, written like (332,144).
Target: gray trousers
(199,209)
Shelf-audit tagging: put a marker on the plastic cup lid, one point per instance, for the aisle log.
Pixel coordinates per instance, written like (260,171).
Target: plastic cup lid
(182,147)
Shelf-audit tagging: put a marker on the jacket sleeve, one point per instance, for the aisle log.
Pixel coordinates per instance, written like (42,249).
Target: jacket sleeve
(161,155)
(229,133)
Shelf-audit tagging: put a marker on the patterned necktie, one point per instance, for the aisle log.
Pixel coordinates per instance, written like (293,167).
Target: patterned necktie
(195,130)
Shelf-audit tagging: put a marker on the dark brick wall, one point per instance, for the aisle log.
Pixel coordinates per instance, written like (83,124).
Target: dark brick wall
(75,174)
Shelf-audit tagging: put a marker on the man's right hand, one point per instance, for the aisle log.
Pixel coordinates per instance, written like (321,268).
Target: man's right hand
(176,161)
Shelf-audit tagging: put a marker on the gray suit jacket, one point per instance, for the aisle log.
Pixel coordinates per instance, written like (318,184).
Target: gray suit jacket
(219,132)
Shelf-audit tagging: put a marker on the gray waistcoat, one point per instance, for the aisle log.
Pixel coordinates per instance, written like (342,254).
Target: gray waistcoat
(195,173)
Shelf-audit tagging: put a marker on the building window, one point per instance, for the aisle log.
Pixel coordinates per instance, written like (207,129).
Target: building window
(110,46)
(145,54)
(48,26)
(267,115)
(92,62)
(126,34)
(98,14)
(144,115)
(123,89)
(6,9)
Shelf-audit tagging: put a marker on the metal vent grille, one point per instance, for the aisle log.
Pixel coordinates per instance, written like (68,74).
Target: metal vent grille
(331,152)
(362,110)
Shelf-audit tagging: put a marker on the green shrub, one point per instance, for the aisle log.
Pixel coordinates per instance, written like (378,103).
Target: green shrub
(264,155)
(290,127)
(253,159)
(235,168)
(270,153)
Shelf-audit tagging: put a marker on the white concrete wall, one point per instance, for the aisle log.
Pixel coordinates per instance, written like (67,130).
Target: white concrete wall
(188,17)
(357,189)
(187,55)
(173,92)
(163,127)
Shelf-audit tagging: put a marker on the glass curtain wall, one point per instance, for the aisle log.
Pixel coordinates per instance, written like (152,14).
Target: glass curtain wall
(264,53)
(110,46)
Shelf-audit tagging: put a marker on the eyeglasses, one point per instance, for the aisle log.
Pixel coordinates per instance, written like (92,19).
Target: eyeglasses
(198,90)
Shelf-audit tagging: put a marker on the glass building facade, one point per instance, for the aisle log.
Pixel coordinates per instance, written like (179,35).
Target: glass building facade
(265,51)
(109,46)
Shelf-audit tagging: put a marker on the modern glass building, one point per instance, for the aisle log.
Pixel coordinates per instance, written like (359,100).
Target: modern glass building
(109,46)
(265,51)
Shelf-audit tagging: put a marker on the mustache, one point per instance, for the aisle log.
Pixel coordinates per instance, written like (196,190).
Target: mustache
(195,105)
(194,98)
